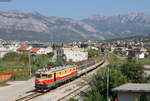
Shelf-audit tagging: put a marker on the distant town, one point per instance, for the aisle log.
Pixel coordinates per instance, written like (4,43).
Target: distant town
(19,60)
(134,48)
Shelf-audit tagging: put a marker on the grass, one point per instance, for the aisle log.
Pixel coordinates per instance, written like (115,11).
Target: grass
(20,77)
(113,58)
(145,61)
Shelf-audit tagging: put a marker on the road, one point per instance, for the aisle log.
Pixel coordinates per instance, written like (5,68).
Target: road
(16,89)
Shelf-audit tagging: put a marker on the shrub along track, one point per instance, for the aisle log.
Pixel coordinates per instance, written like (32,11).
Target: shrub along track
(81,74)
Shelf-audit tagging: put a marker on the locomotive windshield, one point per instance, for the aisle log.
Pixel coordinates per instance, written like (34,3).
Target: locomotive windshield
(43,75)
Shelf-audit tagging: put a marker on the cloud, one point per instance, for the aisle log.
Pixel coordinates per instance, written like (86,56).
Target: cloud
(5,0)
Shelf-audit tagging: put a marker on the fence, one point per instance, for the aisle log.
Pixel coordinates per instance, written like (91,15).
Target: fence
(13,72)
(6,75)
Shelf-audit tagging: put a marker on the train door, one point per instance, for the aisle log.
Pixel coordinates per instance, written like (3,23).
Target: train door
(54,76)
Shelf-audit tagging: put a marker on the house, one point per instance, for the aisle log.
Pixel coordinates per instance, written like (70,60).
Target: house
(24,48)
(140,55)
(48,50)
(138,52)
(3,52)
(132,91)
(37,51)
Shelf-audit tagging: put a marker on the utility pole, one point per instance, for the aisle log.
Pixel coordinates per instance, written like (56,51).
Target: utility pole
(30,71)
(108,83)
(108,71)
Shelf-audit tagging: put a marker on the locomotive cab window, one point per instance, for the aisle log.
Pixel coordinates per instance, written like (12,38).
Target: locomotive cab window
(44,75)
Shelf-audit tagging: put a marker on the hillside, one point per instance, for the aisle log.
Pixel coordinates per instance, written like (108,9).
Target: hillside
(118,26)
(34,26)
(15,25)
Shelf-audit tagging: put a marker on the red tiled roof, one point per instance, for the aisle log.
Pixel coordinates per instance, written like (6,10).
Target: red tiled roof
(23,48)
(137,47)
(35,49)
(68,46)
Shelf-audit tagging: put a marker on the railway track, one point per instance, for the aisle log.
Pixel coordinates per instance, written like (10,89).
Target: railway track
(29,97)
(77,91)
(71,94)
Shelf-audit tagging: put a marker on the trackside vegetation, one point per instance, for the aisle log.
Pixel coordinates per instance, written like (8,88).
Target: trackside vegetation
(119,72)
(18,62)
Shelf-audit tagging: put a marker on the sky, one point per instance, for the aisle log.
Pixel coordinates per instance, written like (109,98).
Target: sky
(77,9)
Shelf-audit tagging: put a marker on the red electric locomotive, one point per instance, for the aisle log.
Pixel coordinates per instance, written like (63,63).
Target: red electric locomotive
(48,78)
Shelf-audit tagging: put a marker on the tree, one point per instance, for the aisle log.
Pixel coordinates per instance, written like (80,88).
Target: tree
(84,45)
(99,81)
(134,71)
(40,61)
(92,53)
(142,98)
(96,96)
(23,58)
(51,54)
(10,56)
(72,99)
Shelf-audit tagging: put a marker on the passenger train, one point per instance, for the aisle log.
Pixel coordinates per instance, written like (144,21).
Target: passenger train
(52,77)
(48,78)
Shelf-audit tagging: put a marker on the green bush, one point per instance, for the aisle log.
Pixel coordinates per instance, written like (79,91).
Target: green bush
(40,61)
(72,99)
(92,53)
(20,77)
(10,56)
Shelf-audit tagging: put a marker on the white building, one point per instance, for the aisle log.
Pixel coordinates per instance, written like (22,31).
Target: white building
(48,50)
(3,52)
(75,54)
(140,55)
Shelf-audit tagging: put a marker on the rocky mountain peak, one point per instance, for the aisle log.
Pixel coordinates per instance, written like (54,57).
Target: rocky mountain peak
(97,17)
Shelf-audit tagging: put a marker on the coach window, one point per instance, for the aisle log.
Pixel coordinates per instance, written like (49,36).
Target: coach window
(50,76)
(37,75)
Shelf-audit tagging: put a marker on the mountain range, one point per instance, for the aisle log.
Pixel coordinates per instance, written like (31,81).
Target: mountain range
(16,25)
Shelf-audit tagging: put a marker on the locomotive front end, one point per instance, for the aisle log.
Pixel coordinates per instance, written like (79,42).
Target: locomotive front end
(43,81)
